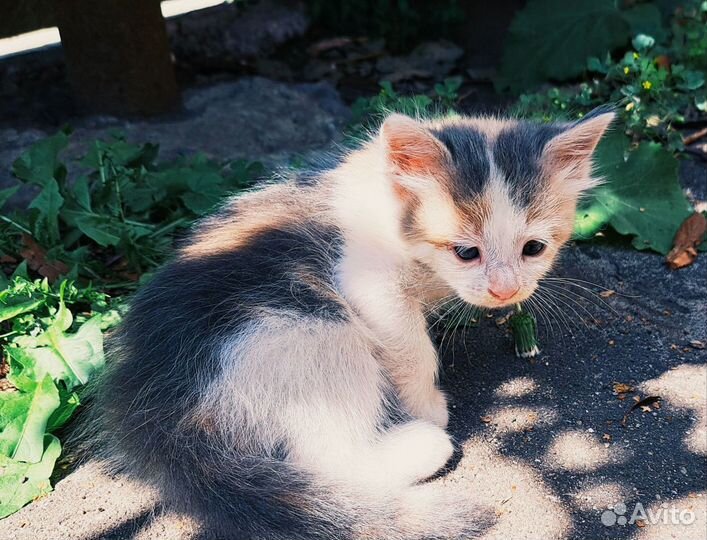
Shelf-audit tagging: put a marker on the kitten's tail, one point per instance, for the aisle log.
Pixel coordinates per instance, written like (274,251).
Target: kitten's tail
(251,497)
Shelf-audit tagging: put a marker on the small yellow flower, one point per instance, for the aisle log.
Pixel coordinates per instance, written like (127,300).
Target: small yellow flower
(636,56)
(626,70)
(647,85)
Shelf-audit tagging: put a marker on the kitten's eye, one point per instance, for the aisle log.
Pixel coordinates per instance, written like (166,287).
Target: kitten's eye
(466,253)
(533,248)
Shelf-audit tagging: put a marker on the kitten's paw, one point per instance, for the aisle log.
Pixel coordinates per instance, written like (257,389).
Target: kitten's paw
(433,409)
(433,447)
(416,450)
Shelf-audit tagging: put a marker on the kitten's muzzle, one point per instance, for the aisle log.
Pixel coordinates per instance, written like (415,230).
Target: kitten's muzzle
(503,294)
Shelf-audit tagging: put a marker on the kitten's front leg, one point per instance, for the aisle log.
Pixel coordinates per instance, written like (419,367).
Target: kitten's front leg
(399,324)
(414,372)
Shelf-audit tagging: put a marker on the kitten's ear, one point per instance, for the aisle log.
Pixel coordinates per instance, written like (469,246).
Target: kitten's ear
(410,148)
(569,154)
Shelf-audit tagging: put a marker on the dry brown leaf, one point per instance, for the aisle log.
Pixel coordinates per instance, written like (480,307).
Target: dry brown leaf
(697,344)
(688,237)
(486,419)
(36,257)
(622,388)
(662,60)
(640,523)
(643,404)
(606,437)
(608,293)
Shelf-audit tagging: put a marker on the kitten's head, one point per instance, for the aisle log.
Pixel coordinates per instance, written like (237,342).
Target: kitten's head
(488,203)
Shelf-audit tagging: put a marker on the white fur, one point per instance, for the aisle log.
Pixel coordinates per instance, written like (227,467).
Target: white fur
(321,385)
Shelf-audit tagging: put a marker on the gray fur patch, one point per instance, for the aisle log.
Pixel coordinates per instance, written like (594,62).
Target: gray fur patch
(517,151)
(469,150)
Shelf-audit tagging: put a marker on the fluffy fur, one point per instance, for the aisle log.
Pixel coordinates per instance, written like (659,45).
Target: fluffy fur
(277,380)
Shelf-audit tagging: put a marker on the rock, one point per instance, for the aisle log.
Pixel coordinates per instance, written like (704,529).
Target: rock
(230,33)
(432,59)
(251,118)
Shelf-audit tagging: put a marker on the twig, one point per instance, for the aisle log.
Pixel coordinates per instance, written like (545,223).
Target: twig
(693,137)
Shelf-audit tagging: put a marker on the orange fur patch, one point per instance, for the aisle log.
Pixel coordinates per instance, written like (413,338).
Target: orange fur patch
(276,206)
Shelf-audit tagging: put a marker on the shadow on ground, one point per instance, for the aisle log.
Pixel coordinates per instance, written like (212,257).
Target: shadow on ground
(542,442)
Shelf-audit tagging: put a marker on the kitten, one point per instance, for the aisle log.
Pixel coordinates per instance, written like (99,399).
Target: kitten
(277,380)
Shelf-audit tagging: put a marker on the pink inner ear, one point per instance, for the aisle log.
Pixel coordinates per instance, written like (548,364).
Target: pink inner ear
(411,148)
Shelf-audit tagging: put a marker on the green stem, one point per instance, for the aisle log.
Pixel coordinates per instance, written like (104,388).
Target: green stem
(176,223)
(13,223)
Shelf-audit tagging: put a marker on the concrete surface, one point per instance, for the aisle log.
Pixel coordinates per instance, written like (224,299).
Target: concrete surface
(540,442)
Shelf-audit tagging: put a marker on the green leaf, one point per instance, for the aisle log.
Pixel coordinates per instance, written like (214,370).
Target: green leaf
(9,311)
(82,193)
(70,358)
(40,163)
(5,194)
(69,401)
(24,419)
(100,229)
(641,197)
(20,271)
(206,190)
(643,42)
(21,482)
(645,19)
(48,203)
(552,39)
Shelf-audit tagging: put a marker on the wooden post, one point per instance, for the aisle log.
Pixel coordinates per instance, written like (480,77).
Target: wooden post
(118,55)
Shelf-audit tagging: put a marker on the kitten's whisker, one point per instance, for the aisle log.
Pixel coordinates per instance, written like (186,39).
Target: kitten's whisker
(536,311)
(560,316)
(591,297)
(450,327)
(550,309)
(570,301)
(591,283)
(591,294)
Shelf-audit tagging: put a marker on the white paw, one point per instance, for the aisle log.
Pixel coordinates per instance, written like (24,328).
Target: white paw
(432,448)
(413,451)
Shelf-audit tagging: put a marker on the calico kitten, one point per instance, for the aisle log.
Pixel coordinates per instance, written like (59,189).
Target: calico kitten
(277,380)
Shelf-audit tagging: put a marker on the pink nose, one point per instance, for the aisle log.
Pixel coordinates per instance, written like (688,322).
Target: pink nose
(503,294)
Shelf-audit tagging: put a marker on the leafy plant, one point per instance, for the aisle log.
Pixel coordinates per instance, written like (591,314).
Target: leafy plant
(658,87)
(641,197)
(366,113)
(117,218)
(48,353)
(551,39)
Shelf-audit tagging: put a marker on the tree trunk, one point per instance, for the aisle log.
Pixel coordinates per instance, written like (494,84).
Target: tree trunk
(118,56)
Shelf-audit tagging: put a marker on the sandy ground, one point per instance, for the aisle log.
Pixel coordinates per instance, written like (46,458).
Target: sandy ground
(541,442)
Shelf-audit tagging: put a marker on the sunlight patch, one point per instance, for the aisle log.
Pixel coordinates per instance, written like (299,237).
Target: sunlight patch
(516,387)
(577,451)
(685,387)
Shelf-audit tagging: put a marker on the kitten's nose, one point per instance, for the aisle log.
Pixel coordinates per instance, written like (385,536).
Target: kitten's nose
(503,283)
(503,294)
